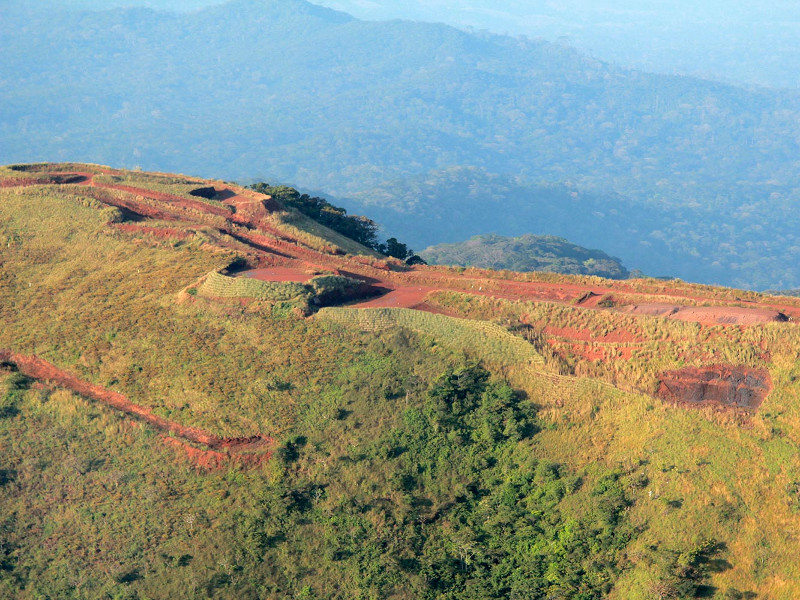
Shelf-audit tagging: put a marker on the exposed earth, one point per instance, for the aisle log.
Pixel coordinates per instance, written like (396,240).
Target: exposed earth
(236,218)
(721,385)
(203,448)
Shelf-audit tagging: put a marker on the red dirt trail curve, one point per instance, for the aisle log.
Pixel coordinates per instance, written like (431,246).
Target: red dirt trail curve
(36,368)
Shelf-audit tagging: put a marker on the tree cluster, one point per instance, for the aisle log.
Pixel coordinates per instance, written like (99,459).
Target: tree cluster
(358,228)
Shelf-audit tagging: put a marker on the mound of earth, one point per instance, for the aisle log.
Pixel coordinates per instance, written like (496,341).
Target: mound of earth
(737,387)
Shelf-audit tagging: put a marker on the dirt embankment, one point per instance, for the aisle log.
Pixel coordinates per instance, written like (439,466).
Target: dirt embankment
(721,385)
(280,274)
(44,179)
(708,315)
(246,449)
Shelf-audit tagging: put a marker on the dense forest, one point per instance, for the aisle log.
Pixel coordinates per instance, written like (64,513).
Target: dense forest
(701,174)
(650,236)
(526,253)
(360,229)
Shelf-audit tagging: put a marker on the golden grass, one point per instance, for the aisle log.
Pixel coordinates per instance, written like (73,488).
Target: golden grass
(103,305)
(486,341)
(217,285)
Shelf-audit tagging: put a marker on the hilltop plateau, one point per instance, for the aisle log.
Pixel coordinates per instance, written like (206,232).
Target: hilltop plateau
(207,394)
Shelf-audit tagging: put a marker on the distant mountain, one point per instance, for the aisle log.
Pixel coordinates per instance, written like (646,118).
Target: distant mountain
(289,92)
(731,40)
(526,253)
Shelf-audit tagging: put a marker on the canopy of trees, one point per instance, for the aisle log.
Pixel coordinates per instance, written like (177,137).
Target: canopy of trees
(360,229)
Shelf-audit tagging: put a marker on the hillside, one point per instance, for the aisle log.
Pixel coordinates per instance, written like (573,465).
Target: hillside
(203,394)
(701,175)
(526,253)
(736,41)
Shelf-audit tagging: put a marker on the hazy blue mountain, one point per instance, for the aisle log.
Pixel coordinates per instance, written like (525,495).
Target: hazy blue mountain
(735,40)
(69,5)
(701,176)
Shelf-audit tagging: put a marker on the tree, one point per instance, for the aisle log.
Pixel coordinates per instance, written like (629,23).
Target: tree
(394,248)
(357,228)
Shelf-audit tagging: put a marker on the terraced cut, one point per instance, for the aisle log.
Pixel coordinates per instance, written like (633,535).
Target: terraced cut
(718,385)
(283,262)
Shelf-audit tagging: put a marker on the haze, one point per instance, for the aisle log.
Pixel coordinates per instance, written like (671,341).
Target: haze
(738,41)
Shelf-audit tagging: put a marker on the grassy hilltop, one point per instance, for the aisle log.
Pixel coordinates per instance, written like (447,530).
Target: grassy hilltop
(343,425)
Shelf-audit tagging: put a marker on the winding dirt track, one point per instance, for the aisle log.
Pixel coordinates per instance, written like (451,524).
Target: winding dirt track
(249,449)
(246,213)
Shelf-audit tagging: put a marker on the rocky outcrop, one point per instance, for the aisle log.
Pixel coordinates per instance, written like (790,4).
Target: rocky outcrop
(721,385)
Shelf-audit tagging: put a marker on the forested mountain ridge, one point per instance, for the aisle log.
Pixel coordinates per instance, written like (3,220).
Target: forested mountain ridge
(752,245)
(734,41)
(289,92)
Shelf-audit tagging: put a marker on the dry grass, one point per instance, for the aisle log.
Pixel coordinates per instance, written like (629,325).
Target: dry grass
(103,305)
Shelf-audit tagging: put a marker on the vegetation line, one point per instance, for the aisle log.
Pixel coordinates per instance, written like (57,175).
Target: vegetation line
(37,368)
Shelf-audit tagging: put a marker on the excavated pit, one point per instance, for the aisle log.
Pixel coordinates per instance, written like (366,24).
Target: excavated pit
(720,385)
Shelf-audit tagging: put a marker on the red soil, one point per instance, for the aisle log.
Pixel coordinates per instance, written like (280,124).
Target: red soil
(402,297)
(130,205)
(708,315)
(592,353)
(284,258)
(211,460)
(37,368)
(168,198)
(615,337)
(729,315)
(248,209)
(720,385)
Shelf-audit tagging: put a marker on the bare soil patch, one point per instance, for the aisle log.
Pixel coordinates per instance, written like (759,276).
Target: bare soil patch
(278,274)
(619,336)
(708,315)
(401,297)
(721,385)
(729,315)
